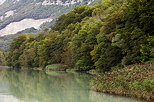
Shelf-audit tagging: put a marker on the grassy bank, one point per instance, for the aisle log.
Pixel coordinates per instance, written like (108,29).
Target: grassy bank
(134,81)
(56,67)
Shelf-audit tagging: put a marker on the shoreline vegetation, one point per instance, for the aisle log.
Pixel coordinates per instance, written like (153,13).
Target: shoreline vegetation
(102,37)
(56,67)
(133,81)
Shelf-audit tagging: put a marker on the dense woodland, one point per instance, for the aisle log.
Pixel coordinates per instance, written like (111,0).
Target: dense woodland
(109,34)
(2,57)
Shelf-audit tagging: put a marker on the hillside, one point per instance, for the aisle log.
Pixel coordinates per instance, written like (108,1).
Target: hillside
(111,33)
(31,16)
(5,41)
(12,11)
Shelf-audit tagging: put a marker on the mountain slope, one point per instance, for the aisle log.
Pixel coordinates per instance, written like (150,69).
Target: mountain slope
(17,10)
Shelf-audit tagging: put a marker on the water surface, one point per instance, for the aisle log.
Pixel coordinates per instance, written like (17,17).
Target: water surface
(38,86)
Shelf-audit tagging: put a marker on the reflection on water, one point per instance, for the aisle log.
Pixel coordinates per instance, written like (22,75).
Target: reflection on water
(38,86)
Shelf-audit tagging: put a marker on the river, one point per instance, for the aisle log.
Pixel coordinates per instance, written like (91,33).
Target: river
(39,86)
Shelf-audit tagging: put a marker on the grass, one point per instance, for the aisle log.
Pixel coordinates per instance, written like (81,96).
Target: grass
(134,81)
(56,67)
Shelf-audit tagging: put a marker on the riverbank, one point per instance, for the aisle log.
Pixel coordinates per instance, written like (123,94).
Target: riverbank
(133,81)
(5,67)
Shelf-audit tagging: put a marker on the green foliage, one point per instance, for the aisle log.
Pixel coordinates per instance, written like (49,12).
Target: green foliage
(134,80)
(109,34)
(72,17)
(2,57)
(58,67)
(16,49)
(6,40)
(148,84)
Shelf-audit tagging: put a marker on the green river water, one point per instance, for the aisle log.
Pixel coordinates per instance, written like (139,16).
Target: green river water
(39,86)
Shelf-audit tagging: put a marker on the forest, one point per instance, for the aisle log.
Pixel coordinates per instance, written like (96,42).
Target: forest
(109,34)
(2,57)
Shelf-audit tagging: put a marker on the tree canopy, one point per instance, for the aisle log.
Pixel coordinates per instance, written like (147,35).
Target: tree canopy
(108,34)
